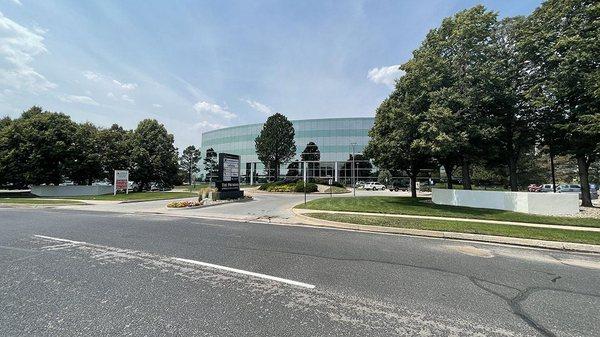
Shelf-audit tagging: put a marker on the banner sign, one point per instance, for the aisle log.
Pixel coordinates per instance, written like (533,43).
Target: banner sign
(229,172)
(121,181)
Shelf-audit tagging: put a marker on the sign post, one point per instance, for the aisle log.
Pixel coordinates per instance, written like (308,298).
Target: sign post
(228,183)
(121,181)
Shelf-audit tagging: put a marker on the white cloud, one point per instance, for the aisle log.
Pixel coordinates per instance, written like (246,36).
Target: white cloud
(127,99)
(258,106)
(78,99)
(17,2)
(156,105)
(110,95)
(385,75)
(92,76)
(18,48)
(214,109)
(125,86)
(97,77)
(206,125)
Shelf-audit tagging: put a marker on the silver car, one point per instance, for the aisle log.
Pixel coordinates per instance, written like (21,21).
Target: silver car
(574,188)
(547,188)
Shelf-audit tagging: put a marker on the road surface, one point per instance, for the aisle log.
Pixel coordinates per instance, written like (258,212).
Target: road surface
(73,272)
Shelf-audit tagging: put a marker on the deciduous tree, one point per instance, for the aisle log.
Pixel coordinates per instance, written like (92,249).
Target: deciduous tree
(562,44)
(275,144)
(211,166)
(154,157)
(189,161)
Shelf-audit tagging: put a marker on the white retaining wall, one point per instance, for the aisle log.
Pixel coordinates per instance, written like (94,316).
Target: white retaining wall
(70,191)
(525,202)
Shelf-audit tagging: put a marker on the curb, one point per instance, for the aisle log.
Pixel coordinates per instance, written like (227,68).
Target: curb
(554,245)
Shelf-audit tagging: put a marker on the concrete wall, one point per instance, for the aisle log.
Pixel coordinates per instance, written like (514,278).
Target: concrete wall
(70,191)
(525,202)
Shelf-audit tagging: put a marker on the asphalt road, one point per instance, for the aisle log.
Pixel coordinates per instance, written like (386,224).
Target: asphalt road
(120,275)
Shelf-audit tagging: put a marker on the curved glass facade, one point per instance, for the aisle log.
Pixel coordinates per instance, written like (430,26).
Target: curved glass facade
(333,137)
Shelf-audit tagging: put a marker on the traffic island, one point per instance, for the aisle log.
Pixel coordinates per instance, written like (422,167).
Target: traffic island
(204,203)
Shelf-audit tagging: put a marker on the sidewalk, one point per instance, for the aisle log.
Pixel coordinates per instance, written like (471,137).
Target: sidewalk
(302,217)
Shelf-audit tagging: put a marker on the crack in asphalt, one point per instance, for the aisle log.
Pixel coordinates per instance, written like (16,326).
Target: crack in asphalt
(513,302)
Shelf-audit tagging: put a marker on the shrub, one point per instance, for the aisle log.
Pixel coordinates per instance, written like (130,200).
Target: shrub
(282,186)
(310,187)
(269,186)
(182,204)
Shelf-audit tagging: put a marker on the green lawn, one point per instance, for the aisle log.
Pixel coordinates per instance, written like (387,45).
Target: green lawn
(38,201)
(466,227)
(423,206)
(137,196)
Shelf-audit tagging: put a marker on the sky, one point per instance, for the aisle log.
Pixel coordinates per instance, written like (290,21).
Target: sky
(200,65)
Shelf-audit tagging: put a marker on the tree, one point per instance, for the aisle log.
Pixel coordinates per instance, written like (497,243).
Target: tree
(362,167)
(4,122)
(293,169)
(384,177)
(311,154)
(513,119)
(561,46)
(115,149)
(189,161)
(275,143)
(397,142)
(154,157)
(449,79)
(85,166)
(211,166)
(37,148)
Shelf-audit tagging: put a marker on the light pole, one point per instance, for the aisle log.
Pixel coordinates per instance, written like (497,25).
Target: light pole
(352,171)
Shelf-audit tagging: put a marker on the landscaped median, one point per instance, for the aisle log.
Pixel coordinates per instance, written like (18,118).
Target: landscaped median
(421,217)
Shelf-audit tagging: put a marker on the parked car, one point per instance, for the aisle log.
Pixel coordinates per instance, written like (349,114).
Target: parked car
(374,186)
(360,184)
(399,186)
(534,188)
(574,188)
(547,188)
(133,186)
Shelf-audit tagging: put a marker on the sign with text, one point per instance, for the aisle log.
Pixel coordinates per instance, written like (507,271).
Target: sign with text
(229,172)
(121,181)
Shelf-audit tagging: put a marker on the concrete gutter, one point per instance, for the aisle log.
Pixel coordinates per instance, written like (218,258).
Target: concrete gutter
(555,245)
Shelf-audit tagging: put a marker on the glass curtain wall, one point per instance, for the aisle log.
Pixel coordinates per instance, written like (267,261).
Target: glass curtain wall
(335,140)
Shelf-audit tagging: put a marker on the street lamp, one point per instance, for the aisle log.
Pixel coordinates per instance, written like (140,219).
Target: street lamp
(352,171)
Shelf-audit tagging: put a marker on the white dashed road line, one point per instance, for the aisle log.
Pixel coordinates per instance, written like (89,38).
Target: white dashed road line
(245,272)
(67,242)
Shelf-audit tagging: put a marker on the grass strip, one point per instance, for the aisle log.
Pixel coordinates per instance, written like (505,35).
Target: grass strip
(423,206)
(136,196)
(38,201)
(515,231)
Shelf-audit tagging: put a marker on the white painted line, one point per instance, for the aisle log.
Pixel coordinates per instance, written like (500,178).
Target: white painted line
(245,272)
(57,239)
